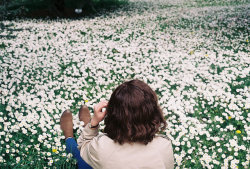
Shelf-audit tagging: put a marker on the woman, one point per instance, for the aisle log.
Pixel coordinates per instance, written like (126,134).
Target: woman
(132,120)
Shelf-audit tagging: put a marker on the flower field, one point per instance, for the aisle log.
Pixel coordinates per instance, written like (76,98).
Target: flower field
(193,53)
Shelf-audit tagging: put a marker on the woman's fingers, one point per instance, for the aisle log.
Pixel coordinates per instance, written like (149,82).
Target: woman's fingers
(98,113)
(100,106)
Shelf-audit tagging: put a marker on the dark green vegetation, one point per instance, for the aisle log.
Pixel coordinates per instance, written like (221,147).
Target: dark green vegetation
(10,9)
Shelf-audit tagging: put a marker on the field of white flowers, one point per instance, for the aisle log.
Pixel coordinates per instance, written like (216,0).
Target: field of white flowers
(193,53)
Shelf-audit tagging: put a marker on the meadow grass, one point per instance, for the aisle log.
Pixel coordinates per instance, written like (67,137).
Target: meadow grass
(194,54)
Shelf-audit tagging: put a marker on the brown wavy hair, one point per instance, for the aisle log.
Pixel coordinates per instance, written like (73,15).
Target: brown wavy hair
(133,114)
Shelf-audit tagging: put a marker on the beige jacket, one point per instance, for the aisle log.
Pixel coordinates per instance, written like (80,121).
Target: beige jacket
(101,152)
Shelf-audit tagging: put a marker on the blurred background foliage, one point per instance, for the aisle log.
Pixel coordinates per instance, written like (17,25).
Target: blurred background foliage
(55,8)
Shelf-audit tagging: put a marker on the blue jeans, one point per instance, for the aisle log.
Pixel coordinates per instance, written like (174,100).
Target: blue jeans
(71,147)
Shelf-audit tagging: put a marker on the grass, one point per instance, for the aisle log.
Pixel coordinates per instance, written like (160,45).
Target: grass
(194,55)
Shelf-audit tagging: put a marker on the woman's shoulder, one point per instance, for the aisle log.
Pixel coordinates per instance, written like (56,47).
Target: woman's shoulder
(103,140)
(103,137)
(163,138)
(162,141)
(163,145)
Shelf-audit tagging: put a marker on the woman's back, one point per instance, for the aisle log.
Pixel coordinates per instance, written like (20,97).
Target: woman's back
(103,153)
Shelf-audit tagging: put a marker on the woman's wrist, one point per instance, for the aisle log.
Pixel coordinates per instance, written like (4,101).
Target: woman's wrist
(94,123)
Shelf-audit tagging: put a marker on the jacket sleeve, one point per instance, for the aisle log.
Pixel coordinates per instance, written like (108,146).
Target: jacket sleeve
(87,144)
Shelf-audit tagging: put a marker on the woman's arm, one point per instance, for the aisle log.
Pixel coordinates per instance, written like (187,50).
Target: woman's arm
(87,142)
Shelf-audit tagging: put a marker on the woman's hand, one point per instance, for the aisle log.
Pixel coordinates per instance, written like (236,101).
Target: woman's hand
(98,114)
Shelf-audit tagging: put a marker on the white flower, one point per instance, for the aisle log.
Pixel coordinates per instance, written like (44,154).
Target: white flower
(50,162)
(17,159)
(206,158)
(69,155)
(233,143)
